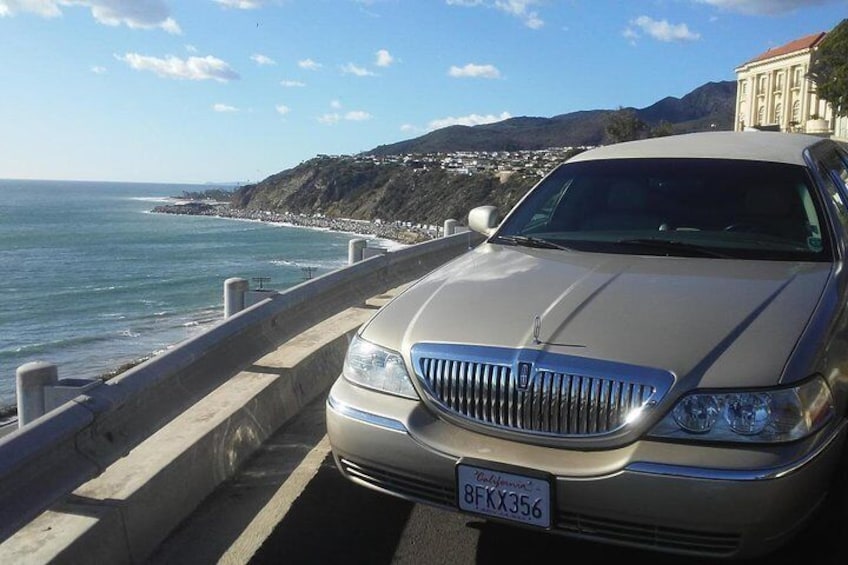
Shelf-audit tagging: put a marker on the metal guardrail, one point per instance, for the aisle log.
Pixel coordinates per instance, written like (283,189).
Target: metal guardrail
(49,458)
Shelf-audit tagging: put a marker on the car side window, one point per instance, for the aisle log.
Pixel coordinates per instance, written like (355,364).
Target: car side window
(834,172)
(842,167)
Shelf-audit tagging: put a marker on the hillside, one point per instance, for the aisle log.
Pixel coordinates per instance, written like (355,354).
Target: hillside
(379,184)
(710,106)
(349,187)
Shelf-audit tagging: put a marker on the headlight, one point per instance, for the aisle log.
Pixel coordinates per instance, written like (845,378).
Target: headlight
(761,416)
(374,367)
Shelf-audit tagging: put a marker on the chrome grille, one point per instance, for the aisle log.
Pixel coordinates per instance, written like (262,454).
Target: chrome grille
(552,403)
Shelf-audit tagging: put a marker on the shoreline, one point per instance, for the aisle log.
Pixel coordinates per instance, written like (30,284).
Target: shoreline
(403,233)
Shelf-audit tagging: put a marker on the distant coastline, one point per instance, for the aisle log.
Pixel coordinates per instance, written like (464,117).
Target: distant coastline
(401,232)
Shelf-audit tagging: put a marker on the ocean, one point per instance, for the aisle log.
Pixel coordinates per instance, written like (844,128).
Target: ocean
(90,279)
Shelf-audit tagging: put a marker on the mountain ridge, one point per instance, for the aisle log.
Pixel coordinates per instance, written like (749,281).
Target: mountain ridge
(710,106)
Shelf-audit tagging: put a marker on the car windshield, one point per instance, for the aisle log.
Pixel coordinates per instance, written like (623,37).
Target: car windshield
(688,207)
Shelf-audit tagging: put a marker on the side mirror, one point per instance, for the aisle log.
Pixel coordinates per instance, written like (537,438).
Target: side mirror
(483,219)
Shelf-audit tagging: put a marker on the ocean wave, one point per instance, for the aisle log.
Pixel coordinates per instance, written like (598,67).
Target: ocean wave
(168,199)
(58,344)
(324,264)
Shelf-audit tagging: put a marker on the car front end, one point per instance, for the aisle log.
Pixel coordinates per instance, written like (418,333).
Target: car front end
(687,400)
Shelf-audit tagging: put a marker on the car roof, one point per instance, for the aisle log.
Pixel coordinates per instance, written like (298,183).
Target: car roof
(745,145)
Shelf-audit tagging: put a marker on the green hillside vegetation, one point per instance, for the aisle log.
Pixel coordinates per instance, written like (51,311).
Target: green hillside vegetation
(347,187)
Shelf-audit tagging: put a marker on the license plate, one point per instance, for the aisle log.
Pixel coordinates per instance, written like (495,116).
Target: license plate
(504,495)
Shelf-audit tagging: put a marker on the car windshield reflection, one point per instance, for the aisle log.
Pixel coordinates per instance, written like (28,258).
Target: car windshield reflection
(690,207)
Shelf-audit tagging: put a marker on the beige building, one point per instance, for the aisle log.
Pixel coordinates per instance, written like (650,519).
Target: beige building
(773,92)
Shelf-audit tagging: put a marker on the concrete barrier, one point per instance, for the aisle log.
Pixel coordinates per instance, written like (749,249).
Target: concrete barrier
(45,461)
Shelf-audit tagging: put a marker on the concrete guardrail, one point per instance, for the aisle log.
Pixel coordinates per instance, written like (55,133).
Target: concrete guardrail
(49,458)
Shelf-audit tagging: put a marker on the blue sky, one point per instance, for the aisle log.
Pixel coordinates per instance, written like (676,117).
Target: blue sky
(236,90)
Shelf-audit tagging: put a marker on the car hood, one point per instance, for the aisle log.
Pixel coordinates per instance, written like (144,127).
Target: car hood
(710,322)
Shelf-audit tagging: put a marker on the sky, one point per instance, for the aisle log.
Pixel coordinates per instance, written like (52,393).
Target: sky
(232,91)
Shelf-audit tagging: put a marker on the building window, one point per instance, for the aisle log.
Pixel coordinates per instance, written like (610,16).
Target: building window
(796,112)
(743,87)
(761,115)
(796,77)
(763,82)
(778,112)
(778,81)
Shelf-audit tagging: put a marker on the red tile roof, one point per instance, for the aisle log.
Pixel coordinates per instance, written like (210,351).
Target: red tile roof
(805,42)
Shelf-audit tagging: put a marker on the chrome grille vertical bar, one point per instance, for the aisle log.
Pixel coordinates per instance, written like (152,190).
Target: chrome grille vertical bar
(474,391)
(460,385)
(603,406)
(504,398)
(552,407)
(626,396)
(585,391)
(486,391)
(515,397)
(573,405)
(543,402)
(451,384)
(592,413)
(614,406)
(564,386)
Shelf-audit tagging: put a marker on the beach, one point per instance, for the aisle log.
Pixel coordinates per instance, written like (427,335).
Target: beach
(405,233)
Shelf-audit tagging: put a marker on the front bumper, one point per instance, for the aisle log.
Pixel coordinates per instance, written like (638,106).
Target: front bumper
(640,495)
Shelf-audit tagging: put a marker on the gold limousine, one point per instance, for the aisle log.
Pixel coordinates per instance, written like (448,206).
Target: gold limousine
(650,350)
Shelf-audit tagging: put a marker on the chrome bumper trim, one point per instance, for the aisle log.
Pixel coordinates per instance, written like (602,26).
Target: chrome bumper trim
(732,474)
(343,409)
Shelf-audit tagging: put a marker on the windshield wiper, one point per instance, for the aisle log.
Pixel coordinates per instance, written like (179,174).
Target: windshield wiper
(529,241)
(673,246)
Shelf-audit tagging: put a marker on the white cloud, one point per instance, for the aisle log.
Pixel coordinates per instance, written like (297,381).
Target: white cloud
(384,58)
(333,118)
(764,7)
(351,69)
(260,59)
(44,8)
(98,70)
(520,9)
(409,128)
(136,14)
(470,120)
(474,71)
(191,48)
(330,119)
(240,4)
(292,83)
(309,65)
(357,116)
(335,104)
(224,108)
(193,68)
(282,109)
(661,30)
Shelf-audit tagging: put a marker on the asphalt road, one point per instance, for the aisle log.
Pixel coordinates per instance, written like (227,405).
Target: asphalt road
(291,505)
